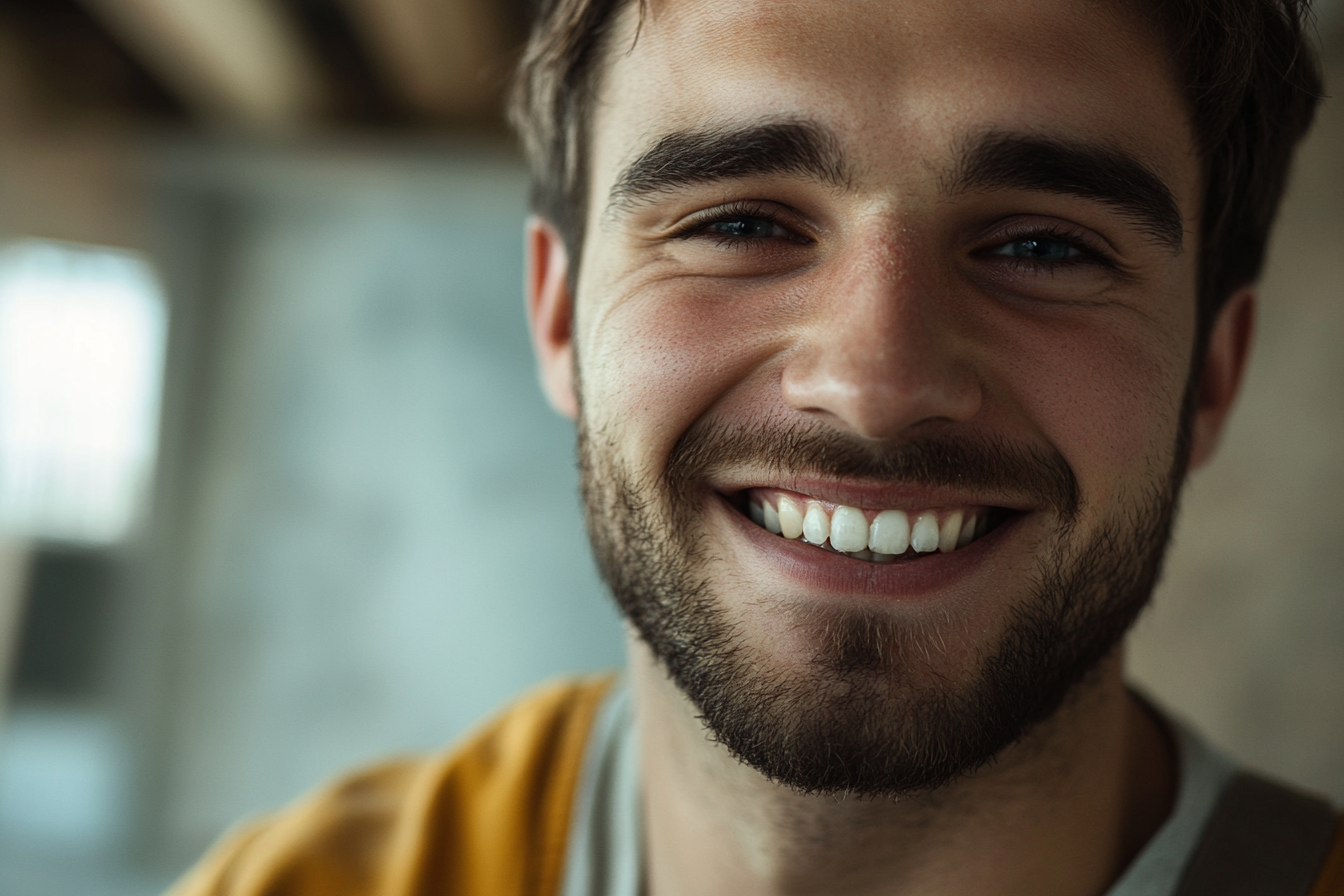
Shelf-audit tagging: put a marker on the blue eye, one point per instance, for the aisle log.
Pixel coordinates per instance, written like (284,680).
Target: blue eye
(1038,249)
(748,228)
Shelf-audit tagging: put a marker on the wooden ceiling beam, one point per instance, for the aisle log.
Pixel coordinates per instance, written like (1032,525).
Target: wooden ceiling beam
(236,63)
(443,57)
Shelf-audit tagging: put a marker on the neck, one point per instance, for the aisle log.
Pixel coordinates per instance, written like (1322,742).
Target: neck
(1063,812)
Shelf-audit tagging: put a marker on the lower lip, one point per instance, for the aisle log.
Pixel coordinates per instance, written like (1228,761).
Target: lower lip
(928,578)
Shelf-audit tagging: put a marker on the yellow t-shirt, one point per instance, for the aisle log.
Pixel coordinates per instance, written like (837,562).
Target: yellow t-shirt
(490,818)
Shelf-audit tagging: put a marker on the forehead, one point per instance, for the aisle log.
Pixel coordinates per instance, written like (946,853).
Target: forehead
(897,81)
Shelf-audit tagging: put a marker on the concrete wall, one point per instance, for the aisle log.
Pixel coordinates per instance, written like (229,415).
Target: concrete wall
(378,539)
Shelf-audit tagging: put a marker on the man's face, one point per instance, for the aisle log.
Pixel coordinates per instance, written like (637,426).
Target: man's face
(912,277)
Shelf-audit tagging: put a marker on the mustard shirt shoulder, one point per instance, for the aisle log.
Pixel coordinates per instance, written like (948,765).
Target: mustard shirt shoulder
(489,818)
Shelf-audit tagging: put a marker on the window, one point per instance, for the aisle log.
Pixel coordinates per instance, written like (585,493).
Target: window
(81,355)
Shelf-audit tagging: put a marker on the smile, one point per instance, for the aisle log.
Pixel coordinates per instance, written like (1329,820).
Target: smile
(874,535)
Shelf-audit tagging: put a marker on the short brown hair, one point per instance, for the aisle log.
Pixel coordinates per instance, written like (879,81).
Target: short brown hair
(1249,71)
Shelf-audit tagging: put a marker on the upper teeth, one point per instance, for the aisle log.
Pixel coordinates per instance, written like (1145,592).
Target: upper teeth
(872,535)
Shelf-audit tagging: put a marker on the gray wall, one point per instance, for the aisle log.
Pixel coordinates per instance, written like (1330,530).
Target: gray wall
(378,538)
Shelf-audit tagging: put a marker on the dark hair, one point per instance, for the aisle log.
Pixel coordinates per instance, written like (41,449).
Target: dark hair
(1249,73)
(551,103)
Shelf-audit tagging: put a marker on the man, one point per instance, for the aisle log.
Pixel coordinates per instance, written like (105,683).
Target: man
(891,330)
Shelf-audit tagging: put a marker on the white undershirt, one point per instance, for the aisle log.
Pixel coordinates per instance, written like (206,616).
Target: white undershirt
(605,854)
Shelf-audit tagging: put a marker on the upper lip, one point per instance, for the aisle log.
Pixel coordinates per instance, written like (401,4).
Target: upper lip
(877,496)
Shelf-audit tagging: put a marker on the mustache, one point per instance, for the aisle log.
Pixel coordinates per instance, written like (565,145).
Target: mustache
(970,461)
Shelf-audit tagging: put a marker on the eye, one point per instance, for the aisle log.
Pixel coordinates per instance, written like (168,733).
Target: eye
(1039,248)
(747,228)
(1049,260)
(743,226)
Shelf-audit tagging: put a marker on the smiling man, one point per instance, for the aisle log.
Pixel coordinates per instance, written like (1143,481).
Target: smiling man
(891,329)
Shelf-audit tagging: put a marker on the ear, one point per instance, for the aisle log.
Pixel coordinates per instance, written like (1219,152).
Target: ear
(1220,379)
(550,314)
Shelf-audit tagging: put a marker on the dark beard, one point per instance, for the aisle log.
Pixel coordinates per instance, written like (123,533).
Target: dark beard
(868,715)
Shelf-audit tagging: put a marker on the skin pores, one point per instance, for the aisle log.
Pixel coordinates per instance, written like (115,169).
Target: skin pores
(882,307)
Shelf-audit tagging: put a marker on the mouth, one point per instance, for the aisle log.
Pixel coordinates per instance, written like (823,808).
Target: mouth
(873,535)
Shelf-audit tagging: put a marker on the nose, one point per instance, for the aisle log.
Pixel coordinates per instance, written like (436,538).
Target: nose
(879,348)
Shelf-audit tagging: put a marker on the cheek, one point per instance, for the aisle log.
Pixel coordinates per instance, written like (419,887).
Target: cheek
(661,355)
(1106,392)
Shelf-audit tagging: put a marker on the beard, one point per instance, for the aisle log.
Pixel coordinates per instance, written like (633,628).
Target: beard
(869,713)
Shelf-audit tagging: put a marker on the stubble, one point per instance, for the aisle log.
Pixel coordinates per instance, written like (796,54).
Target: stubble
(870,713)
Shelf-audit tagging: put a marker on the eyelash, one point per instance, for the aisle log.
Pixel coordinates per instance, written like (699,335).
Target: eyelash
(1075,238)
(699,224)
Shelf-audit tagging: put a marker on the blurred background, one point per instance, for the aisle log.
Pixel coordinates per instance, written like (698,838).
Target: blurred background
(278,493)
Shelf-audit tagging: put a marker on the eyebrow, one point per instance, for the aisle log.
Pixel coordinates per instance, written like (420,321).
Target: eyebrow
(994,161)
(683,158)
(1000,161)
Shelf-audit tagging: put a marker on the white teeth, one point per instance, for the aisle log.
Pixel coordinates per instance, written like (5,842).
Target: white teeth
(884,540)
(849,529)
(790,517)
(889,532)
(967,530)
(816,524)
(924,534)
(948,533)
(772,519)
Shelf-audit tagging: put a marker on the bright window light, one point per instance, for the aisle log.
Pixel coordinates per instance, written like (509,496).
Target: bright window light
(81,356)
